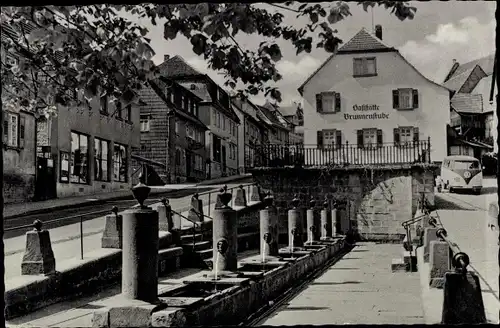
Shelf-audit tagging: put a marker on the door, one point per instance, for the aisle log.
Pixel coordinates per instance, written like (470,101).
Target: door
(45,185)
(223,155)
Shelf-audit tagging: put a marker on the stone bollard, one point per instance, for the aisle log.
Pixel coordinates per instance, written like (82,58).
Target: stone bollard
(140,250)
(430,234)
(326,224)
(312,224)
(225,236)
(38,256)
(112,236)
(439,262)
(268,228)
(165,218)
(218,201)
(241,198)
(196,210)
(335,222)
(295,225)
(255,193)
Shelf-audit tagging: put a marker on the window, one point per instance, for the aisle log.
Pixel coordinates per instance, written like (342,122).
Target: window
(79,158)
(406,135)
(10,126)
(190,132)
(118,110)
(224,123)
(198,163)
(219,120)
(328,102)
(369,138)
(128,113)
(101,160)
(64,167)
(120,163)
(170,95)
(177,157)
(199,136)
(145,121)
(104,104)
(329,137)
(466,165)
(196,111)
(216,146)
(214,117)
(405,99)
(183,100)
(177,127)
(364,67)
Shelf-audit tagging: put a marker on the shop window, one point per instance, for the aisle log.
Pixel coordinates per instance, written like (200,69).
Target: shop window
(64,167)
(363,67)
(101,159)
(120,167)
(328,102)
(145,123)
(79,158)
(405,98)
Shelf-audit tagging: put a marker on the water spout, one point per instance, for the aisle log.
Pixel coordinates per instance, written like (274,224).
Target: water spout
(291,245)
(216,267)
(264,252)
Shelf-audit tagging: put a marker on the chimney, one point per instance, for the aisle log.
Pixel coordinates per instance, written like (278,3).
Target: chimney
(378,31)
(166,57)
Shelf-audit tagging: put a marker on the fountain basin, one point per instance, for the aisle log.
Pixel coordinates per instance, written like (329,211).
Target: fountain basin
(260,267)
(195,289)
(296,252)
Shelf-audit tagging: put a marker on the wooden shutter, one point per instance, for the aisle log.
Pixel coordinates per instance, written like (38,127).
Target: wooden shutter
(319,138)
(360,138)
(380,140)
(395,99)
(396,136)
(22,124)
(337,102)
(415,135)
(415,98)
(319,103)
(338,138)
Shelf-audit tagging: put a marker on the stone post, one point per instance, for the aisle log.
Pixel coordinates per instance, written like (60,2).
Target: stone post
(165,218)
(225,235)
(255,193)
(268,228)
(112,235)
(140,250)
(429,236)
(295,225)
(38,256)
(439,262)
(334,222)
(241,198)
(196,210)
(326,225)
(312,226)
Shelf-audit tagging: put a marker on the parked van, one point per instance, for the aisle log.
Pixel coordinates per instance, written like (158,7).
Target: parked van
(461,172)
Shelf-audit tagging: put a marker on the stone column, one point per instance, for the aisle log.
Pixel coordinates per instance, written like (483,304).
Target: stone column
(334,222)
(140,250)
(311,224)
(225,235)
(240,199)
(269,228)
(295,225)
(326,224)
(38,256)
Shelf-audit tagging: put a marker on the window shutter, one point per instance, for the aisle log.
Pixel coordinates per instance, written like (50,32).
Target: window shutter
(360,138)
(319,103)
(395,99)
(22,124)
(380,140)
(337,102)
(396,136)
(5,129)
(319,138)
(415,98)
(415,135)
(338,138)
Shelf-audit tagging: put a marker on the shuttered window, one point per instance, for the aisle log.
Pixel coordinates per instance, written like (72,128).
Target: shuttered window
(328,102)
(370,138)
(405,99)
(406,135)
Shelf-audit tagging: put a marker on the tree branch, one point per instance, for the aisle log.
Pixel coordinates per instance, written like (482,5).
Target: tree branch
(286,8)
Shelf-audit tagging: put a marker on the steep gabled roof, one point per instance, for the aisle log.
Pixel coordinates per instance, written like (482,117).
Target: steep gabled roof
(363,41)
(466,103)
(486,64)
(457,81)
(177,66)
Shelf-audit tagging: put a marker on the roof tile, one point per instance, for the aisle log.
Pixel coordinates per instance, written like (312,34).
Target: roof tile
(177,66)
(363,41)
(467,103)
(486,63)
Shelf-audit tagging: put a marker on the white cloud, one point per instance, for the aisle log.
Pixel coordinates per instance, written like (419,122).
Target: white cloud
(298,70)
(465,41)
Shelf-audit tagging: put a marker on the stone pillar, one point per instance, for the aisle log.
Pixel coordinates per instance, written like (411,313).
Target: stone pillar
(225,235)
(312,226)
(38,256)
(255,193)
(165,218)
(196,210)
(295,225)
(241,198)
(439,262)
(140,250)
(429,236)
(112,235)
(269,228)
(335,222)
(326,224)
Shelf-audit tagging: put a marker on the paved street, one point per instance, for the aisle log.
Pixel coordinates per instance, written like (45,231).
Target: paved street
(465,218)
(358,289)
(66,239)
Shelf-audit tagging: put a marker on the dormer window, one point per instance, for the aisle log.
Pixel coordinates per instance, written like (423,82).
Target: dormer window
(193,87)
(363,67)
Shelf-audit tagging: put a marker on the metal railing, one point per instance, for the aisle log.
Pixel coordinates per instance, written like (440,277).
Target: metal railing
(195,224)
(278,155)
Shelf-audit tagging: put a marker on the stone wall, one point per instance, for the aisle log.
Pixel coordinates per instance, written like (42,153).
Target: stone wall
(18,187)
(375,201)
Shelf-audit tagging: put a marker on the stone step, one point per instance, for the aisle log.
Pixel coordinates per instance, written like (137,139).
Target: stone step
(205,253)
(186,239)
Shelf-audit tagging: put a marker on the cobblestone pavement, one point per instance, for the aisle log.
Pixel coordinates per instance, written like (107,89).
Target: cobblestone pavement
(358,289)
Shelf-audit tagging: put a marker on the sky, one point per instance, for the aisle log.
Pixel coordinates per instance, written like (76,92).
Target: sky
(440,32)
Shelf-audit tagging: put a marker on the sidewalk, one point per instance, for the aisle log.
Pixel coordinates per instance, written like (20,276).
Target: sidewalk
(15,210)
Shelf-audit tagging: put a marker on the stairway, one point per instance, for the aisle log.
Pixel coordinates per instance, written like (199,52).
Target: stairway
(195,254)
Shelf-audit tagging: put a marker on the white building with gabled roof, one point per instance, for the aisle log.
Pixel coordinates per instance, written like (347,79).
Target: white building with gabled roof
(369,96)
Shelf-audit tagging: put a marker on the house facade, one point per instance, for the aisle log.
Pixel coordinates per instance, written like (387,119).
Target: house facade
(215,111)
(295,115)
(279,133)
(472,115)
(252,131)
(171,131)
(368,96)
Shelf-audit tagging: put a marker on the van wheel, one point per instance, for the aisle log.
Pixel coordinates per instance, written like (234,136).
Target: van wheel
(451,190)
